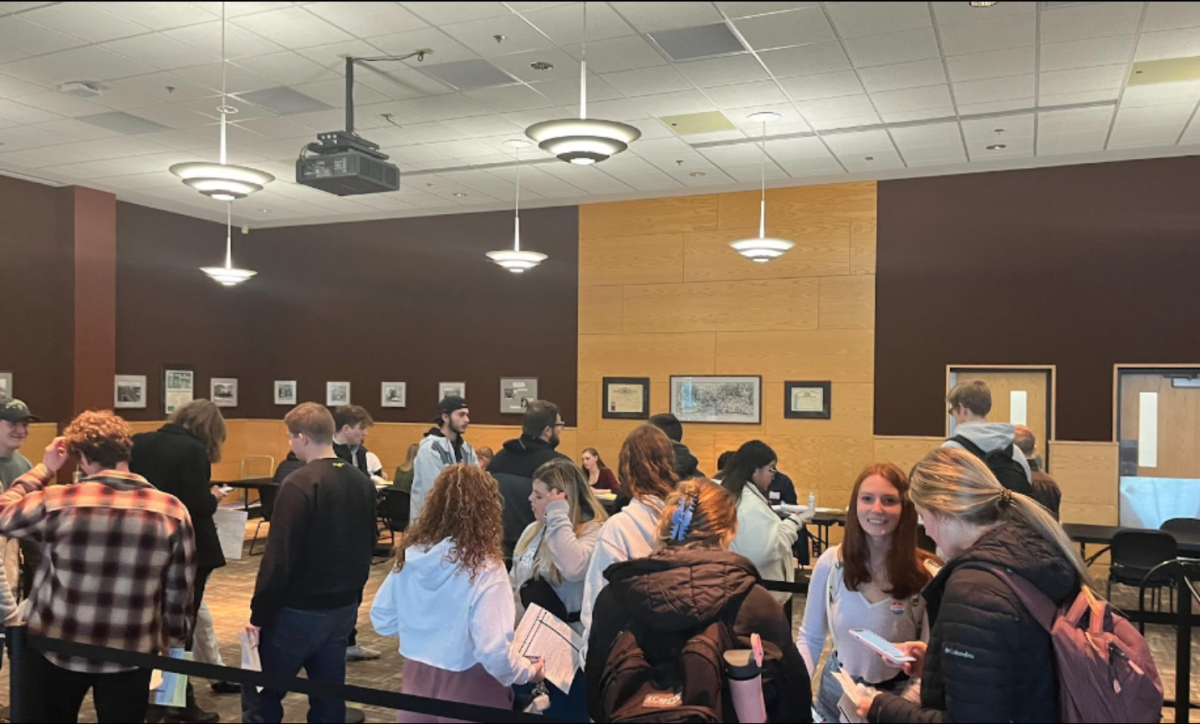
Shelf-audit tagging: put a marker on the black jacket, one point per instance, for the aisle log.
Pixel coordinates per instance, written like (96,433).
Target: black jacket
(357,458)
(686,463)
(513,469)
(176,462)
(679,590)
(988,659)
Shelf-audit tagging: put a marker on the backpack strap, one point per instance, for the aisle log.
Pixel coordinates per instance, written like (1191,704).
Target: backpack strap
(969,446)
(1037,603)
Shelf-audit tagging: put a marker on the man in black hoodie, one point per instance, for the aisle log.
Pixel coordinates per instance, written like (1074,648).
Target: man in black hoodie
(685,462)
(514,465)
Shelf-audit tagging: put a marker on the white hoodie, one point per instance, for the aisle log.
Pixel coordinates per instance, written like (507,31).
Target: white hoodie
(445,620)
(630,534)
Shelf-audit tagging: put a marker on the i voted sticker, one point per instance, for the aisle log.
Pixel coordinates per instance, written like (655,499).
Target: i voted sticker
(898,608)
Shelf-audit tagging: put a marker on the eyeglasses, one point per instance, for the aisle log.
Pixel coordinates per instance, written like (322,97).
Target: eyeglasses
(560,425)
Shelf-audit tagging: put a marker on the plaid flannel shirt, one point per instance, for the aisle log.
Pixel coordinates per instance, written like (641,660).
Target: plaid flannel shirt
(117,566)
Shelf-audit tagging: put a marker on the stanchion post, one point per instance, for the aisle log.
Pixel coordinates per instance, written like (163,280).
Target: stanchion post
(1183,648)
(18,683)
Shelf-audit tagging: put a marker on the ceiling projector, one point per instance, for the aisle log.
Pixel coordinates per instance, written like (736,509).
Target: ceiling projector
(345,164)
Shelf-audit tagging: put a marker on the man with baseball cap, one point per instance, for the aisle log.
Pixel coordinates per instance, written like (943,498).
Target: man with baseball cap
(443,446)
(15,417)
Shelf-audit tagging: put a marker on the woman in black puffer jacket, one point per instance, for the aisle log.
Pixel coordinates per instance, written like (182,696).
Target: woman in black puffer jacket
(988,659)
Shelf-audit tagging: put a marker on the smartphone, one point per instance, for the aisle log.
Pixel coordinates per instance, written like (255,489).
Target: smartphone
(225,490)
(879,644)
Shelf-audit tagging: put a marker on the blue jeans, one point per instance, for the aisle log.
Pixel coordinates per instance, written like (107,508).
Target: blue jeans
(311,640)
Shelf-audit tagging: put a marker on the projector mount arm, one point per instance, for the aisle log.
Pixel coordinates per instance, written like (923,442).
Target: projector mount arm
(352,61)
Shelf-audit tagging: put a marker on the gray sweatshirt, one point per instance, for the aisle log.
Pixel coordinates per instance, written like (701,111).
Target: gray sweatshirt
(991,436)
(435,454)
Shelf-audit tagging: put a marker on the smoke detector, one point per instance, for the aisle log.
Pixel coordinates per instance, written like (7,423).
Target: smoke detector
(81,89)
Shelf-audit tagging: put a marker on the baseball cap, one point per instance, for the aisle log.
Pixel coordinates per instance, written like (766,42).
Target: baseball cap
(16,411)
(448,405)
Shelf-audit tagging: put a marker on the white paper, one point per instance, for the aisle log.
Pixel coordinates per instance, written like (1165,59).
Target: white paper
(1019,406)
(1148,430)
(852,692)
(543,634)
(250,660)
(231,529)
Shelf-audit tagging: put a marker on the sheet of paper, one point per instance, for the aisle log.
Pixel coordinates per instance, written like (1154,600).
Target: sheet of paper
(173,690)
(1148,430)
(543,634)
(1018,407)
(250,660)
(231,529)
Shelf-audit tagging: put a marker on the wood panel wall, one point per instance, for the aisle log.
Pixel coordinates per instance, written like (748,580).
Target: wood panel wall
(661,294)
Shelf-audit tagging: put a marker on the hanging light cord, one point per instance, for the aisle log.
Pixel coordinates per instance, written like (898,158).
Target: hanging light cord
(224,107)
(762,215)
(229,235)
(517,216)
(583,69)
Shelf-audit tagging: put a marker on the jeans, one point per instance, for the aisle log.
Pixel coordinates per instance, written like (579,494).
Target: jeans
(58,693)
(311,640)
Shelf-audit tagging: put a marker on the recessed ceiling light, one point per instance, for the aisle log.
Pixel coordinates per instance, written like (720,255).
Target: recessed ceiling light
(697,174)
(541,65)
(459,194)
(997,147)
(998,131)
(870,158)
(264,211)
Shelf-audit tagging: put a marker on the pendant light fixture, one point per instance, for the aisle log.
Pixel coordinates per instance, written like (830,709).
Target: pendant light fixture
(762,249)
(228,275)
(583,141)
(515,260)
(222,181)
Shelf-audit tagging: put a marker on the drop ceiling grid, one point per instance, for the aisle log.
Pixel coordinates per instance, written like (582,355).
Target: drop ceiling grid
(299,46)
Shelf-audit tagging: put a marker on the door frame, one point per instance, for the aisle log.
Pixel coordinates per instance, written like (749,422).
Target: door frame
(1051,395)
(1144,369)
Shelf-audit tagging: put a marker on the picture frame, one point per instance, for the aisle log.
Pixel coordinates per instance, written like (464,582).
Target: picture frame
(452,389)
(129,392)
(224,391)
(285,392)
(626,398)
(6,385)
(516,393)
(808,400)
(724,399)
(178,387)
(337,394)
(393,394)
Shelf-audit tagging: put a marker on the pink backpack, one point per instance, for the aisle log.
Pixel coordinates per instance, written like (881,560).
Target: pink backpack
(1105,670)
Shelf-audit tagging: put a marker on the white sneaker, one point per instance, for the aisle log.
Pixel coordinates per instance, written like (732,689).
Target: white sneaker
(361,653)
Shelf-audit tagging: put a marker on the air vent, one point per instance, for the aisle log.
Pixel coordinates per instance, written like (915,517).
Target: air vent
(468,74)
(284,101)
(705,41)
(123,123)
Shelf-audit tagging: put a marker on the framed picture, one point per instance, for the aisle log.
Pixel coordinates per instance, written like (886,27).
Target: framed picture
(6,389)
(285,392)
(394,394)
(730,400)
(179,387)
(452,389)
(807,400)
(626,398)
(224,391)
(337,394)
(516,393)
(129,392)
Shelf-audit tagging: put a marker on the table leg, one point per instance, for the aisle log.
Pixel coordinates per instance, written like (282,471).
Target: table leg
(1183,649)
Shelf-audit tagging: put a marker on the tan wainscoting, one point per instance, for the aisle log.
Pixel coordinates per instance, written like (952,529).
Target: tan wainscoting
(1087,474)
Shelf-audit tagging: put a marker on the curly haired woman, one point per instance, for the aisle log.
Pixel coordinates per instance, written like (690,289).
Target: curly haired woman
(449,600)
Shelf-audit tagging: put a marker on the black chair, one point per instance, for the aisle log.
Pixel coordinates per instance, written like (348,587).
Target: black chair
(266,499)
(1184,526)
(1135,553)
(393,509)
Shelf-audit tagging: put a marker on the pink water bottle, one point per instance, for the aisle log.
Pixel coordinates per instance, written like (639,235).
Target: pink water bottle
(745,685)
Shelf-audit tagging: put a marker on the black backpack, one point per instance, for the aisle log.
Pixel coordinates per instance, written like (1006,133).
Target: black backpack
(681,679)
(1002,464)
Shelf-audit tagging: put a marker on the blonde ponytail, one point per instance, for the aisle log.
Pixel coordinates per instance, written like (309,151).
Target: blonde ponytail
(957,484)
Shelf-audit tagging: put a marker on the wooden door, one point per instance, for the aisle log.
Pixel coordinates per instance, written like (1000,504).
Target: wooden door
(1003,383)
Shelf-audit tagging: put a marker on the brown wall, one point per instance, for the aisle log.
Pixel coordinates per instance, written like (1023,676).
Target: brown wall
(1080,267)
(410,300)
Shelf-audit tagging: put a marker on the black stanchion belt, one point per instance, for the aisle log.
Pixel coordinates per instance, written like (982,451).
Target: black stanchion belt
(357,694)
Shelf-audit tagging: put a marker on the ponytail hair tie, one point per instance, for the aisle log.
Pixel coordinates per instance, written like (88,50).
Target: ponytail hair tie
(681,519)
(1006,499)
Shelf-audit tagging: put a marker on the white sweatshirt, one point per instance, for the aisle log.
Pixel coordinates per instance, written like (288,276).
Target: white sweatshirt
(571,555)
(766,539)
(632,533)
(445,620)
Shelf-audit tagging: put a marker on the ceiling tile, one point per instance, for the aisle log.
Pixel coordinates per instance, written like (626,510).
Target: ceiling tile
(1168,44)
(826,85)
(237,79)
(479,35)
(511,98)
(859,142)
(62,104)
(238,9)
(564,23)
(1082,80)
(674,104)
(1161,94)
(518,65)
(938,113)
(837,108)
(859,19)
(293,28)
(927,135)
(1066,99)
(367,19)
(747,95)
(1178,114)
(1092,20)
(612,56)
(647,17)
(566,92)
(160,51)
(1087,53)
(1013,147)
(782,30)
(1016,31)
(966,110)
(84,20)
(487,126)
(813,168)
(958,12)
(43,72)
(333,93)
(77,130)
(1049,144)
(445,49)
(239,42)
(806,60)
(934,155)
(399,82)
(444,13)
(998,130)
(34,39)
(746,9)
(8,53)
(912,99)
(1144,136)
(15,88)
(288,68)
(24,115)
(159,15)
(1170,16)
(846,122)
(994,64)
(648,81)
(172,116)
(122,98)
(16,7)
(873,162)
(100,63)
(994,89)
(723,71)
(903,75)
(1075,120)
(458,105)
(902,47)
